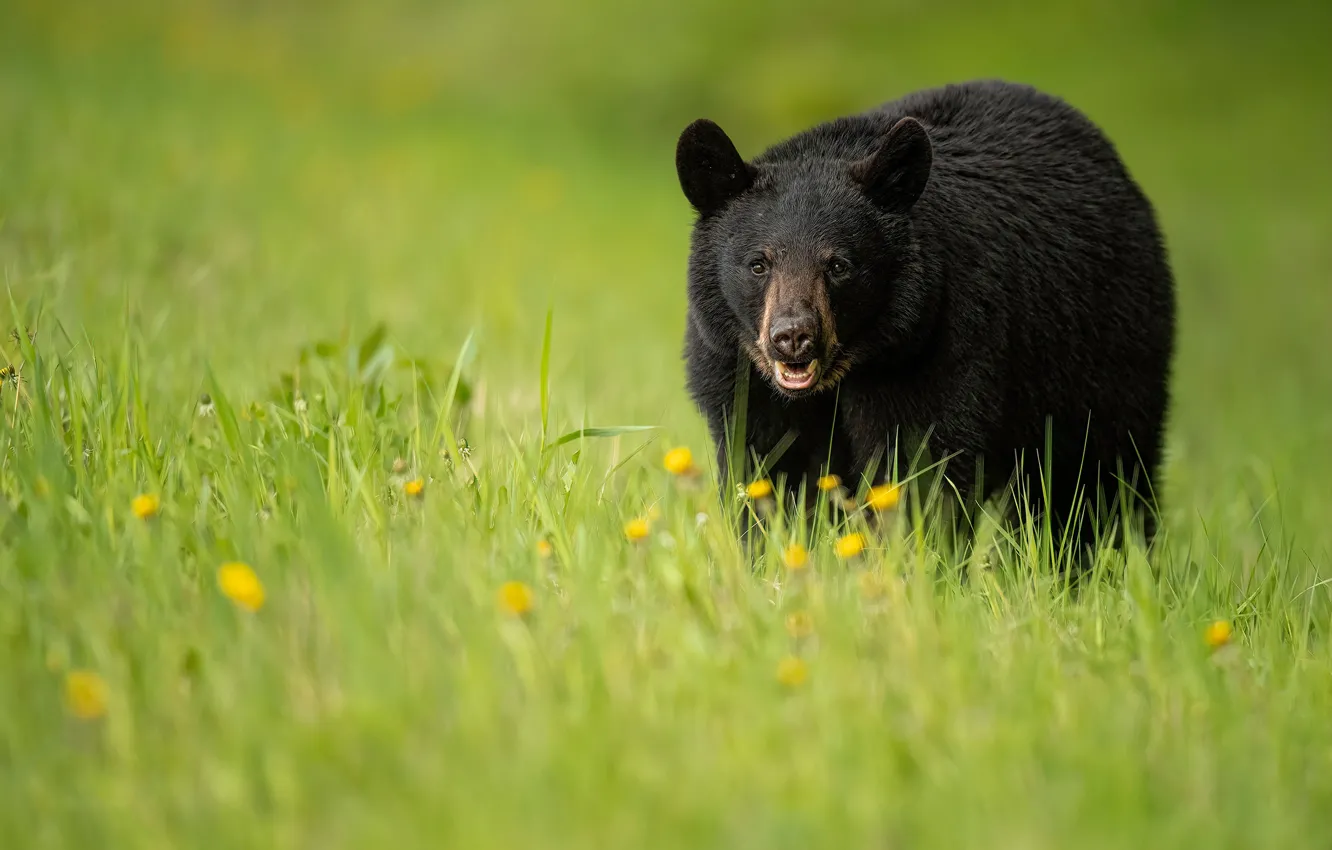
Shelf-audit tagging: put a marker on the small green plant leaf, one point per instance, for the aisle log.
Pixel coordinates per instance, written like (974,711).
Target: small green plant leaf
(378,363)
(327,350)
(226,414)
(371,345)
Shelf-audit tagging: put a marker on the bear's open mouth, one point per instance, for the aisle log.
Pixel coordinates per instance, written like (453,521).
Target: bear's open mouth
(796,376)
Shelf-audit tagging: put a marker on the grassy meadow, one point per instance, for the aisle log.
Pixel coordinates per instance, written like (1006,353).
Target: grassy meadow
(296,550)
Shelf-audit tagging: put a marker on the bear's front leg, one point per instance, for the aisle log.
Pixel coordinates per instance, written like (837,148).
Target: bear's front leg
(897,442)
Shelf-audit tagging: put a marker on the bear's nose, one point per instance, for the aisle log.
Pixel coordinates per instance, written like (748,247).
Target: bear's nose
(792,337)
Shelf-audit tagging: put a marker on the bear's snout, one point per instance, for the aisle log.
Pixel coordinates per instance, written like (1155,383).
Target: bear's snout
(795,333)
(793,336)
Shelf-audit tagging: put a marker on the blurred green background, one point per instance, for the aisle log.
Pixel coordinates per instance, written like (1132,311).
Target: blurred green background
(195,184)
(243,177)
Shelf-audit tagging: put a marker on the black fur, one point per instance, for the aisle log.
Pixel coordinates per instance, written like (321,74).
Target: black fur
(997,270)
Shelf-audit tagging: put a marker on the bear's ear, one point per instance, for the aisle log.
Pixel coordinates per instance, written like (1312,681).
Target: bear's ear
(710,169)
(895,175)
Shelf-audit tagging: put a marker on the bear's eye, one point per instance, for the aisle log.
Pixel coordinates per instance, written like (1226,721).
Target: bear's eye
(838,267)
(758,267)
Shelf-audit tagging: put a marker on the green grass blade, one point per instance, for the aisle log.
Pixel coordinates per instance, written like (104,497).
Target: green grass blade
(545,377)
(589,433)
(443,424)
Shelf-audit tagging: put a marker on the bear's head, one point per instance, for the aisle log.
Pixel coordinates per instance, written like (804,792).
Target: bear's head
(809,263)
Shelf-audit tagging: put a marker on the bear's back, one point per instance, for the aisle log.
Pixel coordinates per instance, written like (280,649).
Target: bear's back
(963,119)
(1049,250)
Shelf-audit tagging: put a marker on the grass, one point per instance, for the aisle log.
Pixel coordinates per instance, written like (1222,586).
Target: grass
(374,292)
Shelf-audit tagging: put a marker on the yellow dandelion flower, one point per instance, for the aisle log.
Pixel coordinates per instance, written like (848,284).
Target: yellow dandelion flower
(795,557)
(792,672)
(760,489)
(799,624)
(414,488)
(240,584)
(870,586)
(679,461)
(829,482)
(884,497)
(515,598)
(85,694)
(636,529)
(850,546)
(544,548)
(145,505)
(1218,634)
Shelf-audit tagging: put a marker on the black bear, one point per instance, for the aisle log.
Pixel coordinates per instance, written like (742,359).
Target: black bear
(969,269)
